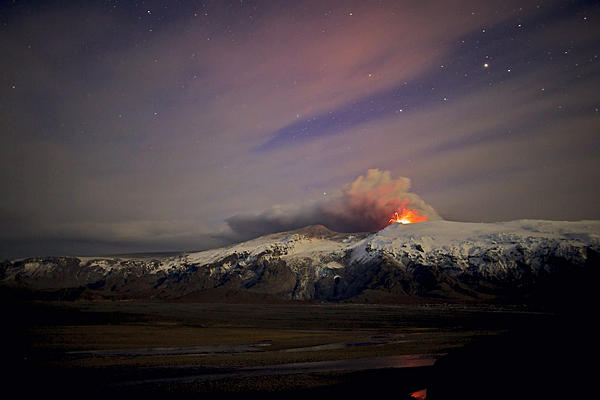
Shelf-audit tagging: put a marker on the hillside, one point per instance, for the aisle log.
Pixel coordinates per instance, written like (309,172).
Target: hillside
(437,260)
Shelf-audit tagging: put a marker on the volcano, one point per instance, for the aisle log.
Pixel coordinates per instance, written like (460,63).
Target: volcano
(407,216)
(522,260)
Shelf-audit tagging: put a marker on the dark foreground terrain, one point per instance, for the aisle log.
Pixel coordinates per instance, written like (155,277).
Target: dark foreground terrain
(89,349)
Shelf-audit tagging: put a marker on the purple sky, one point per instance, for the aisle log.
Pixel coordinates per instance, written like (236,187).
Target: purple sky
(157,125)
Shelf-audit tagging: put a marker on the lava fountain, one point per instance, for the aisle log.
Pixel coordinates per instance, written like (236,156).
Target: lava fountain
(407,216)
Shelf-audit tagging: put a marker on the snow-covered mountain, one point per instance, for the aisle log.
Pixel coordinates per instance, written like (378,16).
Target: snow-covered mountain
(437,259)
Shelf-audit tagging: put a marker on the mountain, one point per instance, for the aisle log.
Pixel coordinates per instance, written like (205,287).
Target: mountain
(438,260)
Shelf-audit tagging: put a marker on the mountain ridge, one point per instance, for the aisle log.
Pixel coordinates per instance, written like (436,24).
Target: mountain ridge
(436,260)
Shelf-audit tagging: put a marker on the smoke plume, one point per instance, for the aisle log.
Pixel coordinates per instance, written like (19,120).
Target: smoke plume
(364,205)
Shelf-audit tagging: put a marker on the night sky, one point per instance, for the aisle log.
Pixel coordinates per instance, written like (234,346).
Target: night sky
(131,126)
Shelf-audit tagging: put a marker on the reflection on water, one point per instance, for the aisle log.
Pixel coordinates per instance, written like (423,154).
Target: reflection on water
(375,340)
(419,394)
(170,351)
(357,364)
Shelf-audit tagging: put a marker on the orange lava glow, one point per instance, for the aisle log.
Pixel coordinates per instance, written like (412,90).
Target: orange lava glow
(407,216)
(419,395)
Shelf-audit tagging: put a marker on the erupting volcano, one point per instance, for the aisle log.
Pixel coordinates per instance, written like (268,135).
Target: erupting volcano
(407,216)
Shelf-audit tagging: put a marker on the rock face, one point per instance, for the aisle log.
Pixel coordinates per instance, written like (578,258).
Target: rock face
(438,259)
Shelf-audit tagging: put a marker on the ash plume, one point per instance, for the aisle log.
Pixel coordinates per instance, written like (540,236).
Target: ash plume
(364,205)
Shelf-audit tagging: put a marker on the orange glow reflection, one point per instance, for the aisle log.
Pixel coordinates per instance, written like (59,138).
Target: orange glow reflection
(419,394)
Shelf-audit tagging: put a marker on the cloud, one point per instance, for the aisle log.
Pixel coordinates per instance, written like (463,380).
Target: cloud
(142,131)
(51,238)
(365,204)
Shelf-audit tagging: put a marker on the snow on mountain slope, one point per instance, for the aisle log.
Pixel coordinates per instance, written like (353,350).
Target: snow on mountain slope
(501,251)
(445,234)
(287,245)
(432,259)
(464,241)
